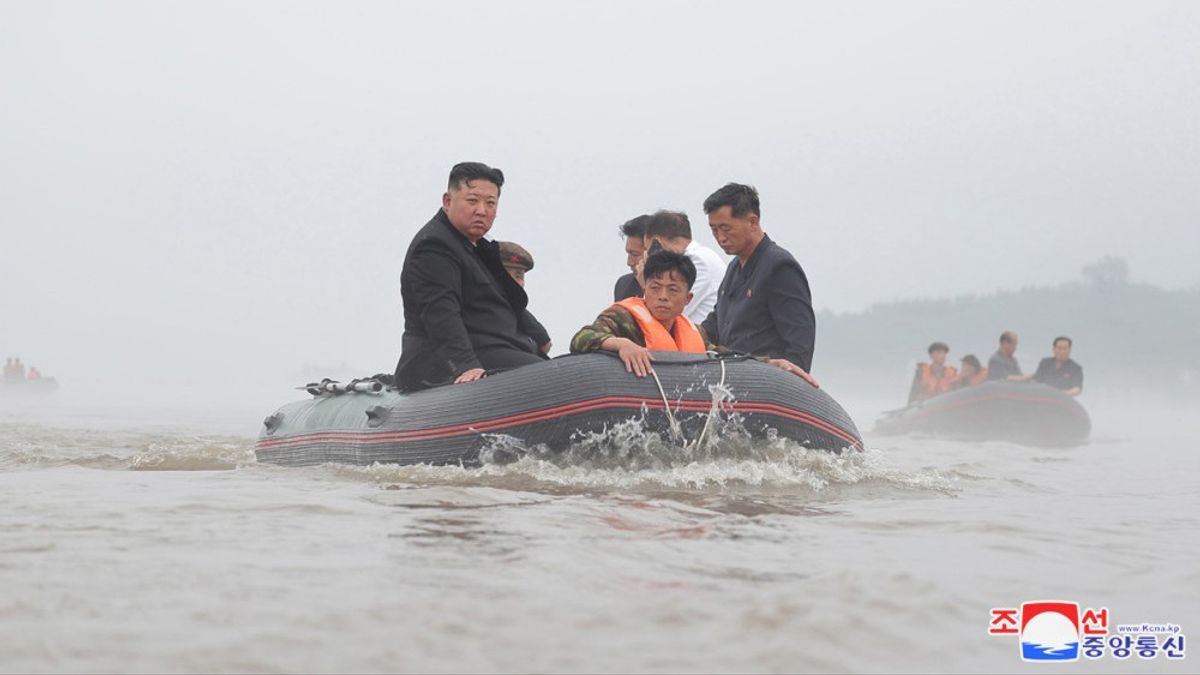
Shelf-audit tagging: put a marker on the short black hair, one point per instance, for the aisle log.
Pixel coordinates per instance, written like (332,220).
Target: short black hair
(665,261)
(741,200)
(1062,337)
(939,345)
(1007,337)
(465,172)
(635,227)
(972,360)
(669,224)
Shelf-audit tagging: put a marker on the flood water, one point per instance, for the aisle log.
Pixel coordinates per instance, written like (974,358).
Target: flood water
(148,539)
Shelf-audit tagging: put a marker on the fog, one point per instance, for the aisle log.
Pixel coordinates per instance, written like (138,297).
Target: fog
(217,195)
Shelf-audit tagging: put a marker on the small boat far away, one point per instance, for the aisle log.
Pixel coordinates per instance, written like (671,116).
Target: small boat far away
(1027,413)
(37,387)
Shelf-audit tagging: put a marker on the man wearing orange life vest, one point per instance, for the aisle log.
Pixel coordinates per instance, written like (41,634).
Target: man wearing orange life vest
(933,378)
(634,327)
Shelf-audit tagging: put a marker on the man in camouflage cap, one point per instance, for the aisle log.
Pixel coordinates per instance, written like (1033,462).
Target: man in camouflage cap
(517,261)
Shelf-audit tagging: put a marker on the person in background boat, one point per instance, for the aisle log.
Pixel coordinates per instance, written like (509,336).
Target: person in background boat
(633,231)
(634,327)
(673,231)
(15,370)
(935,377)
(34,374)
(1003,365)
(463,314)
(764,306)
(970,373)
(8,368)
(517,261)
(1059,371)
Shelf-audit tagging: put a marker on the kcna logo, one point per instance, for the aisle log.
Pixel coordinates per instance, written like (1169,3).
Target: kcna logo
(1053,630)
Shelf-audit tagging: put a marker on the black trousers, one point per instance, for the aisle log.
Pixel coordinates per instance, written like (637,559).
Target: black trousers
(425,373)
(500,358)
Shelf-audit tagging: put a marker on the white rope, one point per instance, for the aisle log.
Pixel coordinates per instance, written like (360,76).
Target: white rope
(676,430)
(711,413)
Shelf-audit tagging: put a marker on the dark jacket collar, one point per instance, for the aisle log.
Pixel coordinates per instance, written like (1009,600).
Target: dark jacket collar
(444,219)
(757,255)
(487,252)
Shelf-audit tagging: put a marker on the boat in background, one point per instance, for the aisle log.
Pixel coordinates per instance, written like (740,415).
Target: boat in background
(40,386)
(1027,413)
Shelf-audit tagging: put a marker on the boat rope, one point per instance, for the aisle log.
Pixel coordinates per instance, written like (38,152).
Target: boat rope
(712,413)
(676,430)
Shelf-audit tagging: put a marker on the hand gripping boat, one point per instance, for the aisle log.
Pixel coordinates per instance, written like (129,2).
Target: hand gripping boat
(549,404)
(1021,412)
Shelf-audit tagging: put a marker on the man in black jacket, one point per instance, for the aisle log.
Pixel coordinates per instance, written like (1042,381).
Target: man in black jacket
(463,314)
(764,306)
(632,231)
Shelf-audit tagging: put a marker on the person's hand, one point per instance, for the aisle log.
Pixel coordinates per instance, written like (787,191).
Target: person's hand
(546,347)
(784,364)
(471,375)
(636,358)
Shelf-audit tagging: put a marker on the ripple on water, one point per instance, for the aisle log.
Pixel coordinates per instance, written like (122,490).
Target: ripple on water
(33,446)
(730,472)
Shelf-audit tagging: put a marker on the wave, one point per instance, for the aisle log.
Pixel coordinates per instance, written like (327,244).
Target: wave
(26,446)
(626,457)
(724,460)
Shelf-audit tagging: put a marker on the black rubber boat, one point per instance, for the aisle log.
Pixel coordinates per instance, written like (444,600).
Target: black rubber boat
(549,404)
(1020,412)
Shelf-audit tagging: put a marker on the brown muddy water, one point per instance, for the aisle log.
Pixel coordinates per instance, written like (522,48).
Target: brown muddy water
(148,539)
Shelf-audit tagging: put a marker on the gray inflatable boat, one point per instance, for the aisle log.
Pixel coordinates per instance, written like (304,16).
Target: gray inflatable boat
(550,404)
(1019,412)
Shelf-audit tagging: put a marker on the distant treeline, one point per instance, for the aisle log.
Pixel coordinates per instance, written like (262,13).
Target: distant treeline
(1126,334)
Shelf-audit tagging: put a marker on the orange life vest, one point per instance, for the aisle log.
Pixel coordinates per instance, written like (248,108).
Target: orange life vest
(932,385)
(978,378)
(684,336)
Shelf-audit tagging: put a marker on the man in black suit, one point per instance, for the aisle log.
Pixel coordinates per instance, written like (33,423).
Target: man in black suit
(627,286)
(463,314)
(1060,371)
(764,306)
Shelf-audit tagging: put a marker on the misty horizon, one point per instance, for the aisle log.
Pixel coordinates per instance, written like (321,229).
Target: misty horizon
(196,193)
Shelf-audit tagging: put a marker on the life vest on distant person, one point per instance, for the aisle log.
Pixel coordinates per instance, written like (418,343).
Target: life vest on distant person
(931,385)
(978,378)
(684,336)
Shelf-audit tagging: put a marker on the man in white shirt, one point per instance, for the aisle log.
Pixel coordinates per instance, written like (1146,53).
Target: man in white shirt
(672,231)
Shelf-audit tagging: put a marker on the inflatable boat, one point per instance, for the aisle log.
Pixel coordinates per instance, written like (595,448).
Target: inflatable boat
(37,387)
(550,404)
(1020,412)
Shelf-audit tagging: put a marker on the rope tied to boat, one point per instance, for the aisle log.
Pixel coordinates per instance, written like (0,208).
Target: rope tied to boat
(676,428)
(711,413)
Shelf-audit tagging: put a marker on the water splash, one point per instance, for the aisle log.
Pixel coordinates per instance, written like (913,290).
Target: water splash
(627,457)
(193,454)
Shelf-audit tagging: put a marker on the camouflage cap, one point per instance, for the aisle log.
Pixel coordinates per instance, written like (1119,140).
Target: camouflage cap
(514,255)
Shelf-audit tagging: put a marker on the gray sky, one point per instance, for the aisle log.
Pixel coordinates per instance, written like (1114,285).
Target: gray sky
(217,189)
